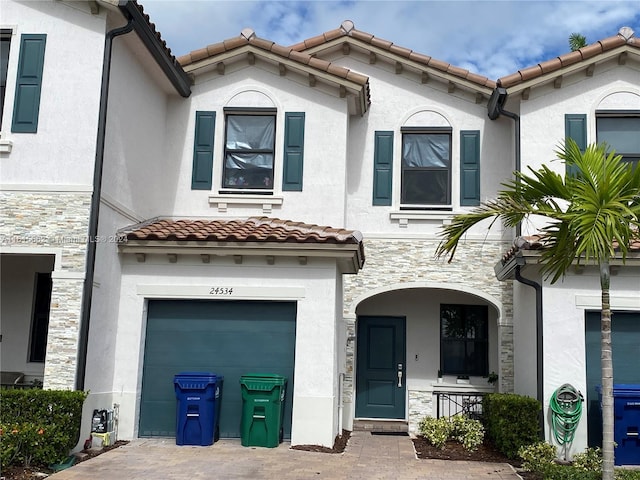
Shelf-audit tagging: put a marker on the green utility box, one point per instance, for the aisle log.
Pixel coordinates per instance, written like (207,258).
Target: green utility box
(262,409)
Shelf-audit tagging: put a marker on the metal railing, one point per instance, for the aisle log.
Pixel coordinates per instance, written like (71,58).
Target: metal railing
(449,404)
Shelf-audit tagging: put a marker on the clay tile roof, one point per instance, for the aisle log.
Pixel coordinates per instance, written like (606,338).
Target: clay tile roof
(254,229)
(347,29)
(537,242)
(248,37)
(624,37)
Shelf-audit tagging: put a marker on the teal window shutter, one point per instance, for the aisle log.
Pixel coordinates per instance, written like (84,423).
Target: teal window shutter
(383,168)
(203,151)
(293,151)
(26,104)
(575,127)
(469,167)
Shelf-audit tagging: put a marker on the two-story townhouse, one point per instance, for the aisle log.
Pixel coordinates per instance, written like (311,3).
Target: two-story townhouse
(345,130)
(591,95)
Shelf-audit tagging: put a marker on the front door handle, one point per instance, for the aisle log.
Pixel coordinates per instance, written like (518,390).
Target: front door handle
(399,375)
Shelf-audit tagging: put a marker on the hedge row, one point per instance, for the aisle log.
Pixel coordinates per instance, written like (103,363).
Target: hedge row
(38,427)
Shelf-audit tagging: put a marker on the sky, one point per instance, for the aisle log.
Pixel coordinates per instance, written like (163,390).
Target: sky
(491,38)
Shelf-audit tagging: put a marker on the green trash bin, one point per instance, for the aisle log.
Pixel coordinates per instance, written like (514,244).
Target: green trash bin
(262,409)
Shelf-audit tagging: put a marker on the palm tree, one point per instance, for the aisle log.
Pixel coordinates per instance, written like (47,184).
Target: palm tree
(593,216)
(577,41)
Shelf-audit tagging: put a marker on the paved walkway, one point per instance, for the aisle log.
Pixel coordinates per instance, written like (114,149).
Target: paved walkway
(367,457)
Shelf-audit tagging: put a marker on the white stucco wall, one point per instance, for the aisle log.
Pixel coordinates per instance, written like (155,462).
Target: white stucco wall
(62,151)
(565,305)
(325,140)
(313,287)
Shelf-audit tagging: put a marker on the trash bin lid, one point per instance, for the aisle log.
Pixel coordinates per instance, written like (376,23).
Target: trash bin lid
(262,381)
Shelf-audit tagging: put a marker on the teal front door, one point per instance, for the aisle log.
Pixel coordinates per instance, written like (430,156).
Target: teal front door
(381,367)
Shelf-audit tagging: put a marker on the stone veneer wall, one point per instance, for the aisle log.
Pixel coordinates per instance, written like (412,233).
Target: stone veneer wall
(390,262)
(54,220)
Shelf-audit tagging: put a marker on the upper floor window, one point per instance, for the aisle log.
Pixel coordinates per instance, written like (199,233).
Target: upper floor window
(5,43)
(464,344)
(620,130)
(249,150)
(426,166)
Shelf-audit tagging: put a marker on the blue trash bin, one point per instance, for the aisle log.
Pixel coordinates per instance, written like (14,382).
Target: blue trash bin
(626,422)
(198,407)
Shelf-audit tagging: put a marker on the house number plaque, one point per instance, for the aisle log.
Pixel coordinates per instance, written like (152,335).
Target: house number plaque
(221,291)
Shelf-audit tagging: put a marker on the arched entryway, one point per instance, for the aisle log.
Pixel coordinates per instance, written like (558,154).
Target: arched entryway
(412,342)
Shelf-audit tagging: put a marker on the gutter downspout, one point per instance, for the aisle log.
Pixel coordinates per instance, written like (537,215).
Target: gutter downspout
(87,292)
(539,351)
(495,108)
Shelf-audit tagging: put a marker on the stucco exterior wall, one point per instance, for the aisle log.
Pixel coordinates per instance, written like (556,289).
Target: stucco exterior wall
(313,287)
(325,139)
(62,151)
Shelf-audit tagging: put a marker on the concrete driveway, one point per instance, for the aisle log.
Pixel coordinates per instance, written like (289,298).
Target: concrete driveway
(370,457)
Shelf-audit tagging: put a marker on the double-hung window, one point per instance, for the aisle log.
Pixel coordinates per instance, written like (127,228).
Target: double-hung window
(620,130)
(464,344)
(426,167)
(249,149)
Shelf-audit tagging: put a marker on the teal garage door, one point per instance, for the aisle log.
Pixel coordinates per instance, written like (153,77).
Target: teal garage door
(228,338)
(625,343)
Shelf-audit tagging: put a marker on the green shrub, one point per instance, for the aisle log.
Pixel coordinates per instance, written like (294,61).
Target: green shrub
(589,460)
(553,471)
(511,421)
(468,432)
(623,474)
(38,426)
(537,456)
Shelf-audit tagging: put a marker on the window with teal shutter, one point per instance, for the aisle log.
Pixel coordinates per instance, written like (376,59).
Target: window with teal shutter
(293,151)
(203,151)
(470,167)
(28,83)
(575,127)
(383,168)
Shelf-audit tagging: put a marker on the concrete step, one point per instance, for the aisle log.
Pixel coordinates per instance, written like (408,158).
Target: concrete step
(380,426)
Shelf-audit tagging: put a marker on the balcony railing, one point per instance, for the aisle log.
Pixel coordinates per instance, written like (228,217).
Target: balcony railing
(449,404)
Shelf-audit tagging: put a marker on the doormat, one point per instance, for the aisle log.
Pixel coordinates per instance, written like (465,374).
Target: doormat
(397,434)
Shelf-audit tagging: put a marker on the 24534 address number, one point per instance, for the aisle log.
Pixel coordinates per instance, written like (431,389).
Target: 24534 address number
(221,291)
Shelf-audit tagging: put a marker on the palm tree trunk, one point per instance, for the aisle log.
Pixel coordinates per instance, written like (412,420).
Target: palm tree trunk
(607,373)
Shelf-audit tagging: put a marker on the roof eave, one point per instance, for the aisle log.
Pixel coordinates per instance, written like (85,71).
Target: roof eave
(171,68)
(506,270)
(349,256)
(351,87)
(577,67)
(393,57)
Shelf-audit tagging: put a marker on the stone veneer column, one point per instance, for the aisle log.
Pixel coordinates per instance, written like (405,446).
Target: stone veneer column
(47,220)
(395,261)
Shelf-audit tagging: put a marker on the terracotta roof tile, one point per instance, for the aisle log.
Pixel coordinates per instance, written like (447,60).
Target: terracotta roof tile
(364,36)
(551,65)
(624,37)
(299,57)
(254,229)
(381,43)
(537,242)
(280,50)
(403,52)
(420,58)
(438,64)
(570,58)
(231,43)
(333,34)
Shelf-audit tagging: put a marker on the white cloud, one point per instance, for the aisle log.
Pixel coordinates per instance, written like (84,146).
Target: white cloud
(493,38)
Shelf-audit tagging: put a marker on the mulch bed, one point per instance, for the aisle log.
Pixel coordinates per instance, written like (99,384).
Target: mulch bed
(339,445)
